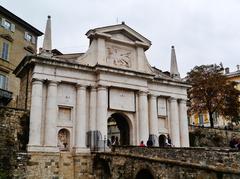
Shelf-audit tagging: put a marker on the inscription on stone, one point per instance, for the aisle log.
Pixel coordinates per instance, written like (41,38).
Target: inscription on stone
(122,100)
(162,106)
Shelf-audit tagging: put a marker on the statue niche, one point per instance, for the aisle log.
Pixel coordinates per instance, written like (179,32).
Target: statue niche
(118,57)
(64,140)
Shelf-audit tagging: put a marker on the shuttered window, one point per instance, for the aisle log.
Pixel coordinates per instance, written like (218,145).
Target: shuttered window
(3,82)
(29,37)
(5,50)
(7,24)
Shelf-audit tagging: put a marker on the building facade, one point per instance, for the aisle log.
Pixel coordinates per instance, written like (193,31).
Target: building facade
(75,98)
(17,39)
(203,119)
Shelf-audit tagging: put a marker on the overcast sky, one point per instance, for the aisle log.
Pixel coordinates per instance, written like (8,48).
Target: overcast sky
(202,31)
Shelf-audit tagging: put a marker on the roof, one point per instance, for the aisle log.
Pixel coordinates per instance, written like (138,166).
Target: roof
(18,20)
(123,29)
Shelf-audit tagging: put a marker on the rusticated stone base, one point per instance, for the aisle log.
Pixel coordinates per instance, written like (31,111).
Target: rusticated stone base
(58,165)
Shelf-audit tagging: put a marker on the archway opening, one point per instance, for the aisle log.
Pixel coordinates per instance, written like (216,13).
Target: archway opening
(64,140)
(162,140)
(101,169)
(118,130)
(144,174)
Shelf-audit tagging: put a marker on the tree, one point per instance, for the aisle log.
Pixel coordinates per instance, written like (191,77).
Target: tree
(212,92)
(231,103)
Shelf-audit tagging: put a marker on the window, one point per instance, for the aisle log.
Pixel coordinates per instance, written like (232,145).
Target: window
(8,25)
(29,37)
(5,49)
(3,82)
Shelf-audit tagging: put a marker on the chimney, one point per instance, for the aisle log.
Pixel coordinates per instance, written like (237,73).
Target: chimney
(238,67)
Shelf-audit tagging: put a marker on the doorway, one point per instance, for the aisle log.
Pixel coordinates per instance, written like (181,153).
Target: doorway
(144,174)
(118,129)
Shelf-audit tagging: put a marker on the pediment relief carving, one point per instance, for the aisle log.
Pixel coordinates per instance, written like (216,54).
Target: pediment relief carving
(117,56)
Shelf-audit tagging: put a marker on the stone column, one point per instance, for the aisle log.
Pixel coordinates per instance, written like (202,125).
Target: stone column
(35,115)
(174,122)
(153,117)
(102,105)
(143,117)
(184,136)
(93,109)
(81,119)
(51,117)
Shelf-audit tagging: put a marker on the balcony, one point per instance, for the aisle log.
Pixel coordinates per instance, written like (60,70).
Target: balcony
(5,97)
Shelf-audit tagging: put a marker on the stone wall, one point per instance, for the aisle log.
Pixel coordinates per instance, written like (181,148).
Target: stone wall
(126,162)
(40,165)
(24,98)
(13,137)
(210,137)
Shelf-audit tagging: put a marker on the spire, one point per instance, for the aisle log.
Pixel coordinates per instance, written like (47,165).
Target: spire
(174,68)
(47,41)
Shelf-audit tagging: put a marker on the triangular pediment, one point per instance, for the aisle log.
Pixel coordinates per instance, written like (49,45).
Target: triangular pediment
(117,46)
(121,32)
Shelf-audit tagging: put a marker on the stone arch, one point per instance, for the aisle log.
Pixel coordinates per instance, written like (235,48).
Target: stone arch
(64,139)
(144,174)
(123,128)
(101,168)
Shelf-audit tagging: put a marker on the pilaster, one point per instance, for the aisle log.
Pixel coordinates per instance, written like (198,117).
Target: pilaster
(174,122)
(35,115)
(81,119)
(51,117)
(93,109)
(102,105)
(153,118)
(184,135)
(143,117)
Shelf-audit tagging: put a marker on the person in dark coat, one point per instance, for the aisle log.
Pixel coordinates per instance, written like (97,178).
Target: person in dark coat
(149,143)
(233,142)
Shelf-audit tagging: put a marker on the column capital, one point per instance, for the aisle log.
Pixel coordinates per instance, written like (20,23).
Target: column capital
(172,99)
(81,86)
(93,88)
(37,81)
(143,93)
(52,82)
(101,87)
(183,101)
(153,96)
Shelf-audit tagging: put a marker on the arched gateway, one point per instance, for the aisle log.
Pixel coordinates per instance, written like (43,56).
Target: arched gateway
(79,92)
(119,129)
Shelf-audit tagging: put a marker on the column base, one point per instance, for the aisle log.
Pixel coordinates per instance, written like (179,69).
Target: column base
(37,148)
